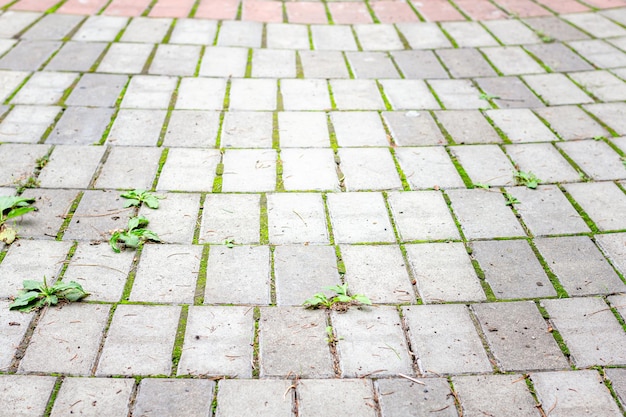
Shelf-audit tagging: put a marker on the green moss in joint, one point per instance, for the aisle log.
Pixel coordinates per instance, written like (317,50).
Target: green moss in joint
(198,298)
(264,227)
(53,396)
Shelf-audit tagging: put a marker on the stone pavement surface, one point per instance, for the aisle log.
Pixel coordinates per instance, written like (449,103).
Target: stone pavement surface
(299,145)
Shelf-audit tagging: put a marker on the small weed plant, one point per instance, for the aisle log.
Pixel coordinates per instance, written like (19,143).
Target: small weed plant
(36,295)
(341,301)
(528,179)
(510,200)
(10,208)
(136,198)
(133,235)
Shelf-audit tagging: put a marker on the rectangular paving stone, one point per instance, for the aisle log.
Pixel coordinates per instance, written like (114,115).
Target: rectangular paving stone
(175,60)
(71,166)
(44,88)
(468,34)
(521,125)
(465,63)
(149,92)
(613,246)
(195,32)
(140,341)
(363,273)
(192,129)
(369,169)
(512,60)
(100,271)
(555,28)
(229,267)
(247,129)
(218,341)
(371,341)
(323,64)
(292,341)
(612,114)
(146,30)
(182,207)
(299,164)
(21,258)
(303,130)
(359,217)
(253,94)
(382,37)
(519,337)
(558,57)
(602,201)
(579,265)
(172,397)
(511,269)
(93,397)
(400,397)
(424,35)
(484,214)
(6,44)
(13,22)
(618,382)
(495,395)
(571,122)
(126,58)
(371,65)
(408,94)
(230,216)
(574,393)
(97,214)
(356,95)
(97,90)
(556,89)
(233,33)
(358,129)
(600,53)
(52,206)
(286,36)
(485,164)
(602,84)
(133,127)
(511,32)
(302,271)
(13,327)
(224,62)
(201,94)
(413,128)
(266,397)
(52,27)
(27,123)
(72,334)
(26,395)
(444,272)
(189,169)
(19,161)
(508,93)
(589,329)
(595,24)
(422,215)
(100,28)
(457,94)
(305,94)
(121,171)
(273,63)
(419,64)
(467,126)
(29,55)
(596,158)
(444,340)
(296,218)
(543,160)
(247,170)
(339,395)
(428,167)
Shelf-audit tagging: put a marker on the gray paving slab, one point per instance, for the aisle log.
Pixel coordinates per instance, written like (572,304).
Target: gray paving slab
(72,334)
(574,393)
(170,398)
(44,88)
(612,114)
(444,340)
(595,24)
(368,169)
(71,166)
(371,340)
(512,60)
(371,65)
(26,395)
(511,32)
(191,128)
(52,27)
(224,62)
(616,15)
(558,57)
(518,336)
(146,30)
(556,89)
(467,126)
(303,130)
(485,164)
(136,127)
(484,214)
(13,327)
(218,341)
(602,84)
(273,63)
(14,22)
(52,207)
(309,169)
(292,341)
(100,28)
(253,94)
(9,81)
(602,201)
(339,395)
(6,44)
(195,32)
(428,167)
(81,126)
(149,92)
(18,161)
(494,394)
(228,267)
(301,271)
(305,94)
(175,60)
(356,95)
(468,34)
(29,55)
(618,382)
(579,265)
(401,397)
(555,28)
(363,273)
(286,36)
(249,170)
(589,329)
(511,269)
(444,272)
(139,341)
(99,270)
(323,64)
(382,37)
(27,124)
(266,397)
(457,94)
(97,90)
(126,58)
(19,258)
(359,217)
(413,128)
(334,38)
(600,53)
(221,222)
(571,122)
(233,33)
(422,215)
(201,94)
(521,125)
(97,214)
(612,246)
(508,93)
(419,64)
(465,63)
(247,129)
(543,160)
(408,94)
(596,158)
(188,169)
(116,173)
(93,396)
(296,218)
(425,35)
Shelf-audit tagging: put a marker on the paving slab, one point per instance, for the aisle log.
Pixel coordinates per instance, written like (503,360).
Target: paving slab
(457,94)
(302,130)
(296,218)
(29,55)
(71,166)
(338,395)
(511,32)
(170,398)
(228,267)
(512,60)
(424,35)
(293,341)
(356,95)
(190,128)
(81,126)
(195,32)
(149,92)
(146,30)
(14,22)
(508,93)
(221,222)
(543,160)
(305,95)
(612,245)
(218,341)
(428,167)
(285,36)
(18,161)
(444,272)
(266,397)
(382,37)
(602,201)
(249,170)
(556,89)
(419,64)
(359,217)
(555,28)
(600,53)
(468,34)
(521,125)
(596,25)
(136,128)
(273,63)
(602,84)
(175,60)
(371,65)
(618,382)
(97,90)
(558,57)
(120,170)
(52,207)
(323,64)
(100,28)
(413,128)
(26,395)
(44,88)
(596,158)
(13,327)
(126,58)
(93,396)
(401,397)
(247,129)
(6,44)
(189,169)
(408,94)
(368,169)
(27,124)
(299,164)
(371,340)
(485,164)
(224,62)
(467,126)
(444,340)
(333,38)
(571,122)
(182,207)
(612,114)
(233,33)
(52,27)
(253,94)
